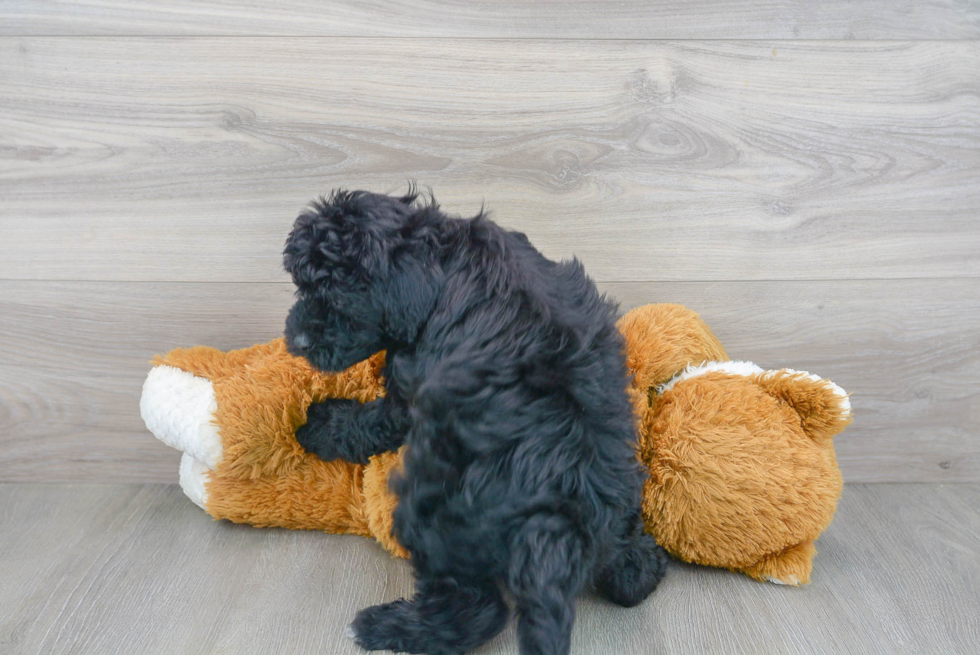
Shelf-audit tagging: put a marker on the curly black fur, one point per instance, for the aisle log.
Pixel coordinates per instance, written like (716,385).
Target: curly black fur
(506,378)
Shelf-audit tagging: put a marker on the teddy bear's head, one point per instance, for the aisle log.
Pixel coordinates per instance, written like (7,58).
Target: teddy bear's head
(742,463)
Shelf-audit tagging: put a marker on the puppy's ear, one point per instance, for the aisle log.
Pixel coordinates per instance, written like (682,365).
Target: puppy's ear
(335,241)
(413,288)
(414,269)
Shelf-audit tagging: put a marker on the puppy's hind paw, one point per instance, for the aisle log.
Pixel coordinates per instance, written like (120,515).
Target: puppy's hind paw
(444,618)
(384,627)
(635,574)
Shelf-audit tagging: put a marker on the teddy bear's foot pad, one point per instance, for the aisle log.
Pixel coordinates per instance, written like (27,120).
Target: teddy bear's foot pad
(791,567)
(193,478)
(178,408)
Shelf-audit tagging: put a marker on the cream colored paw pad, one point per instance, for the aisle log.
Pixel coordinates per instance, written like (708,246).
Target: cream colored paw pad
(193,478)
(178,408)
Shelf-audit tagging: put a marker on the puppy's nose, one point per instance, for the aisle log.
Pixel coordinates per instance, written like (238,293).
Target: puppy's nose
(301,341)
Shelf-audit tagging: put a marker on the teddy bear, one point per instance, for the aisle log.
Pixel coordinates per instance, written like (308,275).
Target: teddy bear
(742,469)
(743,472)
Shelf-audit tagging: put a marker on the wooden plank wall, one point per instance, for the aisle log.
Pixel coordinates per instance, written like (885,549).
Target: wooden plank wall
(806,175)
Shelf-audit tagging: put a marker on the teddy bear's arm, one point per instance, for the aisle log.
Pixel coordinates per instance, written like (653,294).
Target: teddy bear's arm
(663,339)
(342,428)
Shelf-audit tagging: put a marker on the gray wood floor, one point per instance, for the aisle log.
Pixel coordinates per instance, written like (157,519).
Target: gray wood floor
(138,569)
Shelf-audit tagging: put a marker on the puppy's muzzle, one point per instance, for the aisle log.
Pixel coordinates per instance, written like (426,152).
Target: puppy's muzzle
(300,341)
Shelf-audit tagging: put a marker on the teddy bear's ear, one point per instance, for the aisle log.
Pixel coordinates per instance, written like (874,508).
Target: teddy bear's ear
(824,407)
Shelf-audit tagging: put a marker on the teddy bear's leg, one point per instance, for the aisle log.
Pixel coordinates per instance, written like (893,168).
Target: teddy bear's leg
(211,363)
(337,497)
(178,408)
(201,361)
(193,480)
(233,415)
(314,495)
(790,567)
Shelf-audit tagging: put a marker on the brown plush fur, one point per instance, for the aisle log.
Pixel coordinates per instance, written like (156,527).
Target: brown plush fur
(736,480)
(743,473)
(742,468)
(661,340)
(265,478)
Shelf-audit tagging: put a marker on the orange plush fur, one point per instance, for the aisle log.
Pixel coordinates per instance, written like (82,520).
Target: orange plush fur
(743,473)
(742,467)
(264,477)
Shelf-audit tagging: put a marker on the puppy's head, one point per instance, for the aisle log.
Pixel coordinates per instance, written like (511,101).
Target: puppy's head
(366,270)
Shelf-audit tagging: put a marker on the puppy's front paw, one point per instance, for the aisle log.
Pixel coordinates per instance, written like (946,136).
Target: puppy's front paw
(326,429)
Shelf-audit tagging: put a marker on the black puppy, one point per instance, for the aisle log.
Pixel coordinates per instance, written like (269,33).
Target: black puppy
(506,377)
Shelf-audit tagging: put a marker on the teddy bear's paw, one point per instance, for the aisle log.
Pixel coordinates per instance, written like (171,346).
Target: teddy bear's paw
(193,480)
(790,567)
(178,408)
(790,580)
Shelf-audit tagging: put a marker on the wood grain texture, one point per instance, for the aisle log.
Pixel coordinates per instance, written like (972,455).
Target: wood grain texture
(187,159)
(583,19)
(73,357)
(138,569)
